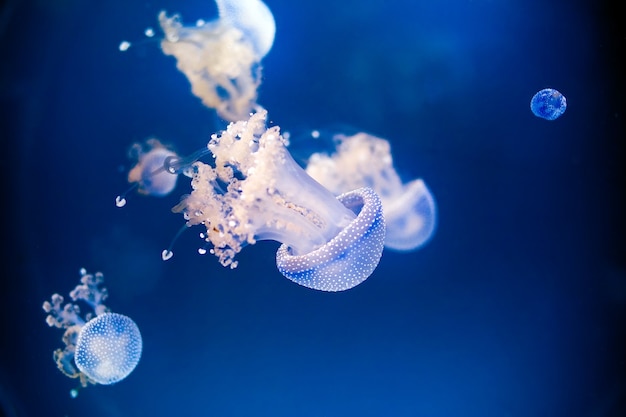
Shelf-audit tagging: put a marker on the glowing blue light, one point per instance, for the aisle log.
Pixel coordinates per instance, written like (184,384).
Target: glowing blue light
(548,104)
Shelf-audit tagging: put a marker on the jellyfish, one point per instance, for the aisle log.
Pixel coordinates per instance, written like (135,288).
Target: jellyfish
(221,58)
(548,104)
(99,349)
(108,348)
(256,191)
(154,172)
(363,160)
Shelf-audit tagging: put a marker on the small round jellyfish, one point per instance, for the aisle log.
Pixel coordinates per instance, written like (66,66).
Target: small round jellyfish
(100,349)
(256,191)
(108,348)
(221,58)
(363,160)
(548,104)
(153,173)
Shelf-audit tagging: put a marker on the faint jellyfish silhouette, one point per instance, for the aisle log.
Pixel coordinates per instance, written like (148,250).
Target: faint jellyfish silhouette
(363,160)
(256,191)
(103,349)
(548,104)
(155,171)
(221,58)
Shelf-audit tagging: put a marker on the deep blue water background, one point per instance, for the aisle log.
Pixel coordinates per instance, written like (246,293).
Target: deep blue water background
(515,308)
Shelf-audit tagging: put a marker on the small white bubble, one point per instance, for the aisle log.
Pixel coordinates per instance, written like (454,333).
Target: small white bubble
(149,32)
(124,45)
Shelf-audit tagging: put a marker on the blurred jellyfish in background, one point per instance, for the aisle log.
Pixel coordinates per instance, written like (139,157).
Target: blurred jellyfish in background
(548,104)
(150,173)
(256,191)
(101,349)
(221,58)
(154,172)
(363,160)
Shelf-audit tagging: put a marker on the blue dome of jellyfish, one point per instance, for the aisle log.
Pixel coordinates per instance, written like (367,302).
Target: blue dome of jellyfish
(108,348)
(99,349)
(548,104)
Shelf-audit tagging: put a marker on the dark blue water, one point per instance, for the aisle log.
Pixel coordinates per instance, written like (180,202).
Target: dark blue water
(516,307)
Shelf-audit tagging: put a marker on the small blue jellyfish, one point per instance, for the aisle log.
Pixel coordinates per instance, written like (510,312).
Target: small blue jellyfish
(548,104)
(108,348)
(98,350)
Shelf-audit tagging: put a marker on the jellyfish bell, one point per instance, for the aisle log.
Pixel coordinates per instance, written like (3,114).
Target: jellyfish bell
(548,104)
(221,58)
(155,171)
(101,347)
(253,18)
(108,348)
(364,160)
(256,191)
(411,217)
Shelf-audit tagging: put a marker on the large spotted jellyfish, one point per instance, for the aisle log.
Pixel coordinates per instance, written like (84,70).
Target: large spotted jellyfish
(256,191)
(221,58)
(101,349)
(364,160)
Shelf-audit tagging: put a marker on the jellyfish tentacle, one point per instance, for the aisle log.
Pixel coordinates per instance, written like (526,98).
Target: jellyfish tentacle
(175,164)
(221,58)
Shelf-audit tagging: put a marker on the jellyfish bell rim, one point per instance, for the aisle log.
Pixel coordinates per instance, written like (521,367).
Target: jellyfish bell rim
(313,266)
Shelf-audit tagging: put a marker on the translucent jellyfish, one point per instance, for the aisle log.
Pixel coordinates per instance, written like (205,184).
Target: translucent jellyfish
(101,349)
(548,104)
(257,191)
(154,172)
(363,160)
(221,58)
(108,348)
